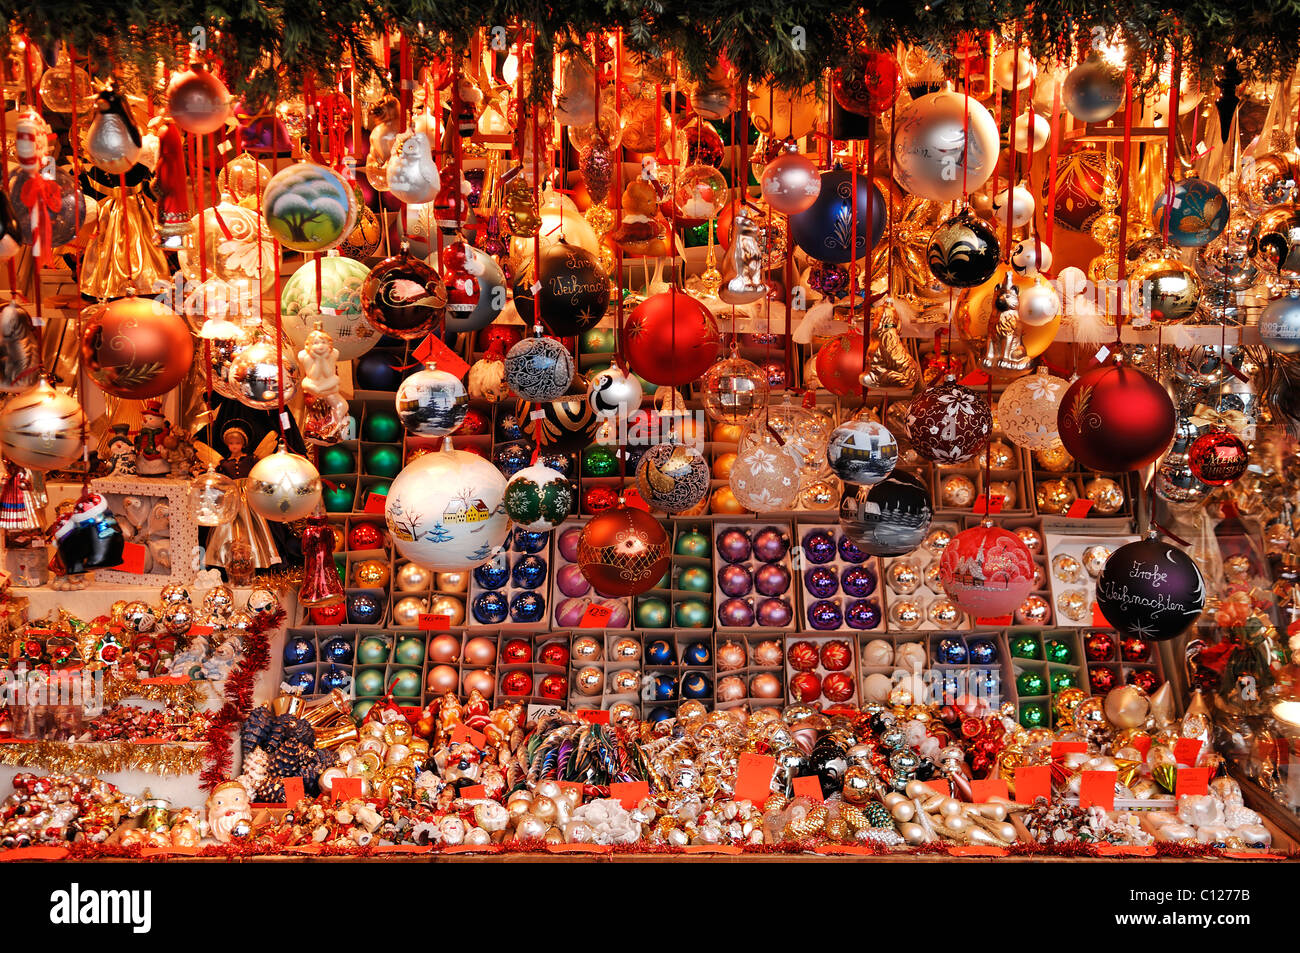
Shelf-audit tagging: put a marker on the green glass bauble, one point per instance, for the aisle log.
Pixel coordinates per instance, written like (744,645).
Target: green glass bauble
(1030,684)
(599,460)
(378,488)
(692,543)
(341,565)
(406,683)
(336,460)
(652,613)
(337,495)
(598,341)
(409,650)
(1032,716)
(692,614)
(382,426)
(370,681)
(372,650)
(360,709)
(695,579)
(1063,679)
(1058,651)
(384,461)
(1026,646)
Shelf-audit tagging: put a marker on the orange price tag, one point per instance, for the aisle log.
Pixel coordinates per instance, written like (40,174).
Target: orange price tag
(988,504)
(1078,509)
(754,777)
(1142,743)
(467,735)
(293,791)
(634,499)
(432,350)
(434,622)
(1061,748)
(989,788)
(593,716)
(1191,781)
(808,787)
(1098,617)
(345,789)
(1097,788)
(1186,750)
(1033,781)
(473,792)
(939,786)
(974,379)
(132,558)
(595,616)
(994,620)
(629,793)
(375,502)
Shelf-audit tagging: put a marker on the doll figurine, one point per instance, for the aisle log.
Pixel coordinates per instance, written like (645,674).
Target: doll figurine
(642,232)
(121,452)
(248,527)
(86,536)
(327,411)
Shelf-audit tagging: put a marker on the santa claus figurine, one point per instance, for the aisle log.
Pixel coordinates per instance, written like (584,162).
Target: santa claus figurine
(152,441)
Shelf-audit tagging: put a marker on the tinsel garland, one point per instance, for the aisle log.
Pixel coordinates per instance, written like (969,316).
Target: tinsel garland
(184,695)
(220,737)
(797,42)
(103,757)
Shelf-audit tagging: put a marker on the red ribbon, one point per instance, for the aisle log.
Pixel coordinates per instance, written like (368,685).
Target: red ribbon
(42,196)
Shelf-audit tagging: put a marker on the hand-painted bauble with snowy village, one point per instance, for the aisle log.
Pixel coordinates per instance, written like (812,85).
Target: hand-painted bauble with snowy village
(888,519)
(862,451)
(432,403)
(986,571)
(445,510)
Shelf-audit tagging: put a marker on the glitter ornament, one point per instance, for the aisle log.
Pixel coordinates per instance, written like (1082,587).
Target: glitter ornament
(1027,410)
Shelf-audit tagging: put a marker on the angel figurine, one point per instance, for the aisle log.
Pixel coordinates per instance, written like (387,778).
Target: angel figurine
(327,411)
(247,527)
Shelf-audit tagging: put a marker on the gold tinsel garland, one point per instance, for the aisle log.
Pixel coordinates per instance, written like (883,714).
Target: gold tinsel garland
(103,757)
(184,695)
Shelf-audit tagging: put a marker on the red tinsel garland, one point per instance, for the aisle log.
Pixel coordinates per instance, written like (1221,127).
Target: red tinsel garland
(220,737)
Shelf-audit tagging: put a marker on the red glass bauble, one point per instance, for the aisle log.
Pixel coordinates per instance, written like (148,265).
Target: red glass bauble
(1218,458)
(1115,418)
(839,364)
(623,552)
(554,653)
(553,687)
(1135,649)
(517,651)
(949,423)
(1099,647)
(404,297)
(802,656)
(329,615)
(986,571)
(838,686)
(1079,182)
(503,336)
(598,499)
(836,656)
(869,84)
(805,687)
(1145,679)
(671,338)
(365,536)
(474,423)
(517,682)
(136,348)
(1101,680)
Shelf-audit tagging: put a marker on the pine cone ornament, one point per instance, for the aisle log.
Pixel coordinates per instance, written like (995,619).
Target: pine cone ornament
(270,792)
(302,733)
(256,764)
(256,728)
(291,759)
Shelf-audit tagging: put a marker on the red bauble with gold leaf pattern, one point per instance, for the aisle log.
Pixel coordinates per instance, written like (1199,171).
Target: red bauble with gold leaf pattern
(838,686)
(839,364)
(623,552)
(836,656)
(805,688)
(1115,418)
(802,656)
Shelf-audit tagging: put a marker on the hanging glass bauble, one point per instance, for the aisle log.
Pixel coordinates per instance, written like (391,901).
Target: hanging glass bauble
(41,428)
(1027,410)
(236,248)
(283,487)
(1274,242)
(672,477)
(404,297)
(945,145)
(136,348)
(216,498)
(614,392)
(338,310)
(1199,213)
(862,451)
(309,207)
(432,402)
(734,389)
(1094,90)
(790,182)
(260,377)
(767,473)
(539,368)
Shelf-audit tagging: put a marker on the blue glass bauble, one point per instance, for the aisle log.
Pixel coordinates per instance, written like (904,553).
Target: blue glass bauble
(492,574)
(823,230)
(659,714)
(337,650)
(489,608)
(818,546)
(824,615)
(559,462)
(333,678)
(862,614)
(531,541)
(306,680)
(821,582)
(299,651)
(858,581)
(950,652)
(512,458)
(527,607)
(374,371)
(697,653)
(696,685)
(660,652)
(983,651)
(364,609)
(1200,213)
(529,572)
(665,688)
(509,428)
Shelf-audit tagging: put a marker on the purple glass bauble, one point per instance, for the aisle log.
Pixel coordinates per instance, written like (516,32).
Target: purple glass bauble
(775,612)
(824,615)
(733,545)
(568,544)
(618,614)
(821,582)
(819,546)
(850,552)
(571,582)
(770,544)
(858,581)
(735,580)
(735,614)
(772,580)
(862,614)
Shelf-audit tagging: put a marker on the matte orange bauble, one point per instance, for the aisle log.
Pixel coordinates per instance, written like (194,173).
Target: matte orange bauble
(136,348)
(671,338)
(839,364)
(623,552)
(1115,418)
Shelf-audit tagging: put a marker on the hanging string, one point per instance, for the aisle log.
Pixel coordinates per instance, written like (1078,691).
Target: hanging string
(1014,156)
(1127,159)
(617,194)
(1171,147)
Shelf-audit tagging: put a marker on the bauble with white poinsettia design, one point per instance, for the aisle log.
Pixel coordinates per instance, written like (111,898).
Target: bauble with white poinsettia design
(1028,407)
(949,423)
